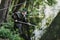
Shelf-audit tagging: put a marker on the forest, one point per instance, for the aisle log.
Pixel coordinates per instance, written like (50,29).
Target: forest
(29,19)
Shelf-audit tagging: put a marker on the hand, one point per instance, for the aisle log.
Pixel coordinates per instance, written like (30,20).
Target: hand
(15,20)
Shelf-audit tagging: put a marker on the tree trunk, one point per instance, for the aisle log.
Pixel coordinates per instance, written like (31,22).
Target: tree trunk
(3,13)
(7,3)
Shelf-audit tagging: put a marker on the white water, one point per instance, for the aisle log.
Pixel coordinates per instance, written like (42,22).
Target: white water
(50,12)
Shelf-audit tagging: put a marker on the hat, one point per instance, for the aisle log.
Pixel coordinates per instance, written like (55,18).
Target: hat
(24,10)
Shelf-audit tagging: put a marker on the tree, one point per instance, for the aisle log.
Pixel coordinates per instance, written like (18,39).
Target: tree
(3,13)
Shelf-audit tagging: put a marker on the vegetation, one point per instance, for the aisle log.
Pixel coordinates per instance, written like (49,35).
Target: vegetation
(35,9)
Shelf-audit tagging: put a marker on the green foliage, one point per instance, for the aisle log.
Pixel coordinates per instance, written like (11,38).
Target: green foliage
(7,33)
(51,2)
(4,32)
(15,37)
(7,29)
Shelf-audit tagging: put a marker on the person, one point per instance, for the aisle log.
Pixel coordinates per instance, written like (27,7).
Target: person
(17,17)
(21,16)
